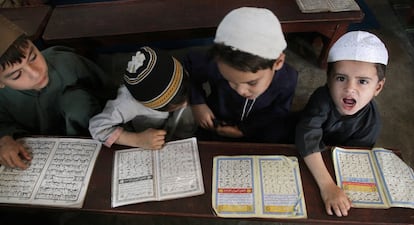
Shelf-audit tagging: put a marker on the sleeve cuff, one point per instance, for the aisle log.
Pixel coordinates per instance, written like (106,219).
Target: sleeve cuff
(113,137)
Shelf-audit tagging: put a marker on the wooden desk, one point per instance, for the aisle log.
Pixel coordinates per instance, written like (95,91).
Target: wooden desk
(107,23)
(32,19)
(197,210)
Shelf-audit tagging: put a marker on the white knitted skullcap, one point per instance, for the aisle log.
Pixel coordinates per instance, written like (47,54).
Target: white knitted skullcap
(359,46)
(253,30)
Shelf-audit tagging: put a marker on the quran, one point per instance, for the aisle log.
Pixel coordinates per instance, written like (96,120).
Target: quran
(375,178)
(141,175)
(58,174)
(314,6)
(257,186)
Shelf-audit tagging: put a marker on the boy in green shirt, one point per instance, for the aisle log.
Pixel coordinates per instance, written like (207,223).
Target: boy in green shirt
(53,92)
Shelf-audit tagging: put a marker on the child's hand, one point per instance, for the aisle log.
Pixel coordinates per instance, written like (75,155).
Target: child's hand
(229,131)
(152,138)
(13,154)
(203,116)
(335,200)
(148,139)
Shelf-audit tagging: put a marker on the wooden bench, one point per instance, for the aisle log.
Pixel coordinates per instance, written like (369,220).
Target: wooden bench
(110,23)
(32,19)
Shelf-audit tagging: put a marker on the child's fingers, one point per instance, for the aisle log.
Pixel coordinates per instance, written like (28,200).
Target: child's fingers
(27,155)
(20,164)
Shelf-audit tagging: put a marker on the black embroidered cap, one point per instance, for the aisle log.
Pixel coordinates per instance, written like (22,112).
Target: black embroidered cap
(153,77)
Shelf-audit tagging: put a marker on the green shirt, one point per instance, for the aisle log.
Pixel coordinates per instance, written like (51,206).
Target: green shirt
(40,112)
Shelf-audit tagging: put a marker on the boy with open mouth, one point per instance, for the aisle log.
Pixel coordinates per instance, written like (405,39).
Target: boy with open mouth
(343,111)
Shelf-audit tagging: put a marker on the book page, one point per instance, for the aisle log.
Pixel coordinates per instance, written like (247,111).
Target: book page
(133,176)
(281,187)
(233,186)
(314,6)
(356,174)
(257,186)
(309,6)
(141,175)
(397,177)
(179,170)
(58,175)
(343,5)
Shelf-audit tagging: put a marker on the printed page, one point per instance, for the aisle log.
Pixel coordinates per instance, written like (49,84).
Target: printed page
(233,186)
(257,186)
(343,5)
(356,174)
(397,178)
(179,170)
(141,175)
(58,175)
(311,6)
(281,187)
(314,6)
(133,176)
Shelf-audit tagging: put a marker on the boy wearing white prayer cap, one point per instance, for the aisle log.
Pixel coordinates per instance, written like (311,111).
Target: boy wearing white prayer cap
(251,86)
(343,111)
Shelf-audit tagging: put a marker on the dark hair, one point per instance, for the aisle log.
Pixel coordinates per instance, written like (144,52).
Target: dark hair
(378,66)
(239,60)
(15,53)
(182,94)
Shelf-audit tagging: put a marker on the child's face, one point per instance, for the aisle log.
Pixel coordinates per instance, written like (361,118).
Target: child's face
(353,84)
(30,74)
(247,84)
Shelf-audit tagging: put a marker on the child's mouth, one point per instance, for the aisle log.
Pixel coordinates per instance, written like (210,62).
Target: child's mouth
(349,102)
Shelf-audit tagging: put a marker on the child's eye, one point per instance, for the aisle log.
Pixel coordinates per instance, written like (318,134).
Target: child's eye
(339,78)
(32,57)
(16,75)
(252,83)
(363,82)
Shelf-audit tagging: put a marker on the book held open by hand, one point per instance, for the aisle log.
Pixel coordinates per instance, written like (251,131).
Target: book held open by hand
(375,178)
(58,174)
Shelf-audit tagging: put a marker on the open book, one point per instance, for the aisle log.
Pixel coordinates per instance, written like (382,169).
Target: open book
(141,175)
(375,178)
(58,175)
(257,186)
(313,6)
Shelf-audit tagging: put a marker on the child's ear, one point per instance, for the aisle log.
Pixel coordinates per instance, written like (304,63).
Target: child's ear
(279,62)
(379,87)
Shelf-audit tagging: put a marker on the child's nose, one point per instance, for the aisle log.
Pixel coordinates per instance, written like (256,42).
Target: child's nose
(350,86)
(241,90)
(33,72)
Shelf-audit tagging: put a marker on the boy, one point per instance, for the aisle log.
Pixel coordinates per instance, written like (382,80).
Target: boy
(251,86)
(44,93)
(343,111)
(151,103)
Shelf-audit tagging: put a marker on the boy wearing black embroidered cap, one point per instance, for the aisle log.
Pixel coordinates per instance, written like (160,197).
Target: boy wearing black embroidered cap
(154,90)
